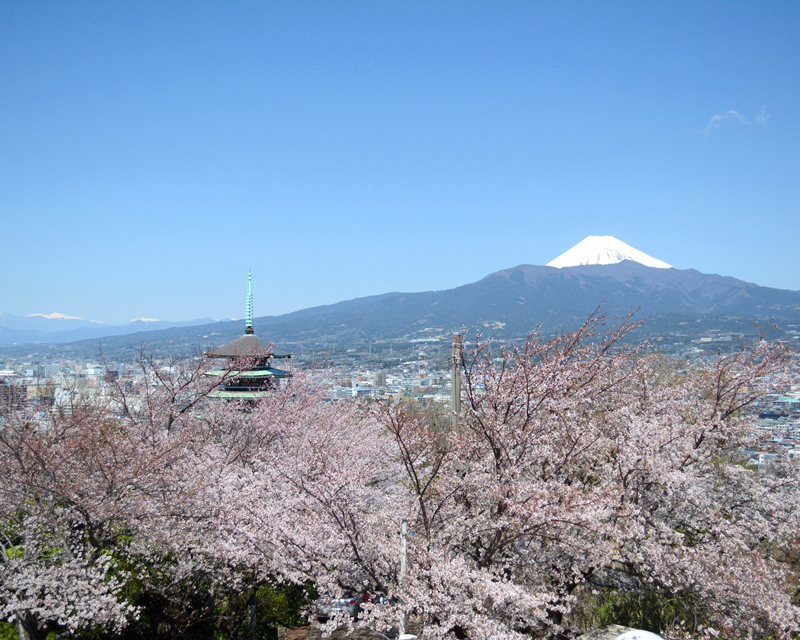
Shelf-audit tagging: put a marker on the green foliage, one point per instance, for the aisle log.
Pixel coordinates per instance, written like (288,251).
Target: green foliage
(8,631)
(198,609)
(651,610)
(166,609)
(281,604)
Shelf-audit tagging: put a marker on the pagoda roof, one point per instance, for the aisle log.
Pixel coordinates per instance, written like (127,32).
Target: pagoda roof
(247,345)
(238,395)
(258,373)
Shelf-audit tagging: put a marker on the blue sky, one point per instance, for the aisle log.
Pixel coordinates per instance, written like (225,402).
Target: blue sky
(152,153)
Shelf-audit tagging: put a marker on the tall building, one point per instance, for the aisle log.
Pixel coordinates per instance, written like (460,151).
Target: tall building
(249,373)
(13,397)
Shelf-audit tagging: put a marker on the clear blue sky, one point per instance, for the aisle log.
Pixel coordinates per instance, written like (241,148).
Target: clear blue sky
(150,153)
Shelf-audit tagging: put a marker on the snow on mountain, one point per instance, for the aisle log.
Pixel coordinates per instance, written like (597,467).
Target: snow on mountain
(58,316)
(58,327)
(604,250)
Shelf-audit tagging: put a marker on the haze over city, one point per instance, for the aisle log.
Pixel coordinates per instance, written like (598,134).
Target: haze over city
(154,153)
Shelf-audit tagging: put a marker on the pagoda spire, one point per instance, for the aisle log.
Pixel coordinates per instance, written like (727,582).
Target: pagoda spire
(249,327)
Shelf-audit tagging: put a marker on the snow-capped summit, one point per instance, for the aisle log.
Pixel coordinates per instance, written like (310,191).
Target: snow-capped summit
(54,316)
(604,250)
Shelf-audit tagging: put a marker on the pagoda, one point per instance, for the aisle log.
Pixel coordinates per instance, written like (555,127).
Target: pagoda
(249,374)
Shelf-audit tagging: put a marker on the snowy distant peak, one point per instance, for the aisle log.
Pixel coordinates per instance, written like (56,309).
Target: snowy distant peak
(145,320)
(59,316)
(604,250)
(54,316)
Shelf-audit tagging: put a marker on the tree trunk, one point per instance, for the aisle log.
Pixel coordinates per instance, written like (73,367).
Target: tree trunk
(28,628)
(252,621)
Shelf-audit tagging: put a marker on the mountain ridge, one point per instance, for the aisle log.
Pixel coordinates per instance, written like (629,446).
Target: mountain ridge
(41,328)
(508,304)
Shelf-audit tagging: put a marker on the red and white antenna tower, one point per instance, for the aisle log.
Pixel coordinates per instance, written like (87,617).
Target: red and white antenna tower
(422,373)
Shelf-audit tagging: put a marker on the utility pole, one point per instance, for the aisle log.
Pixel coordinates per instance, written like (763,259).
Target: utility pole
(402,635)
(455,400)
(403,550)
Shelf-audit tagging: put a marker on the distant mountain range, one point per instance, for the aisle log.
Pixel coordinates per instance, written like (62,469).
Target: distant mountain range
(57,328)
(507,304)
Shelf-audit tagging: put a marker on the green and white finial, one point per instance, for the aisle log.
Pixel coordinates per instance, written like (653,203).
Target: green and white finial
(249,327)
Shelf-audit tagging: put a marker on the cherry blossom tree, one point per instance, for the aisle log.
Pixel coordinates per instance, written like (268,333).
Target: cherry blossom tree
(309,490)
(580,463)
(584,462)
(57,524)
(77,486)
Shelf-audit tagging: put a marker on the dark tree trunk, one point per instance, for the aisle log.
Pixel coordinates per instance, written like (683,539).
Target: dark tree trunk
(28,628)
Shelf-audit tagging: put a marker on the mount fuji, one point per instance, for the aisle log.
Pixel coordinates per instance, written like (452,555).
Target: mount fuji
(604,250)
(511,303)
